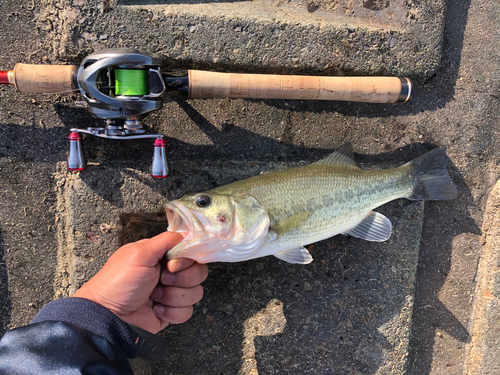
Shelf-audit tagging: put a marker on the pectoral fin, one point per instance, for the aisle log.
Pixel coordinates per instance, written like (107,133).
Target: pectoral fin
(290,223)
(374,227)
(298,255)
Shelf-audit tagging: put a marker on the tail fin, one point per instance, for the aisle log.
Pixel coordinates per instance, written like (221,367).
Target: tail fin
(431,180)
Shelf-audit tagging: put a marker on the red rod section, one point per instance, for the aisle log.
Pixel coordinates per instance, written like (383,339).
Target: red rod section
(4,77)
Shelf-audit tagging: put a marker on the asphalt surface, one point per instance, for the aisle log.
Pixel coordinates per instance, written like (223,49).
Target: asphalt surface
(357,305)
(456,104)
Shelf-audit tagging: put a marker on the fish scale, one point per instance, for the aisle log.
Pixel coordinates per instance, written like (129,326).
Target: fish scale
(339,196)
(278,212)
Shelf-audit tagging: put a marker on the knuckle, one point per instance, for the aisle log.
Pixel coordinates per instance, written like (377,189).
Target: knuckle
(184,314)
(178,315)
(198,293)
(204,271)
(135,252)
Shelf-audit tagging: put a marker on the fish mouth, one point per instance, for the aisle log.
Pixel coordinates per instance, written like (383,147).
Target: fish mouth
(181,219)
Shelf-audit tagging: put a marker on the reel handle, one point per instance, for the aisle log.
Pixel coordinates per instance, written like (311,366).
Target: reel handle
(203,84)
(43,79)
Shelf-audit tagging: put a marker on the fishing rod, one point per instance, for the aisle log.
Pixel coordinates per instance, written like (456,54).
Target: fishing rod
(121,86)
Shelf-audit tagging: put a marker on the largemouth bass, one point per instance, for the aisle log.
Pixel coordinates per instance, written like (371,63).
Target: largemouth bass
(276,213)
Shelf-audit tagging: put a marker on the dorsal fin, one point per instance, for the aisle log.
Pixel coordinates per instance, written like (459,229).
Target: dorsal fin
(343,156)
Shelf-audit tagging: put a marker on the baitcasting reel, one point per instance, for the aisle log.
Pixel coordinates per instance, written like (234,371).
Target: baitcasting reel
(120,86)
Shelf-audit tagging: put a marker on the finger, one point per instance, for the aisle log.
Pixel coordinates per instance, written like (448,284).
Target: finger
(187,278)
(153,249)
(179,264)
(173,315)
(150,302)
(177,297)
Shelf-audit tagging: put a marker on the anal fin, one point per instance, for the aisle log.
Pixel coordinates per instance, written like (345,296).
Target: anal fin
(374,227)
(298,255)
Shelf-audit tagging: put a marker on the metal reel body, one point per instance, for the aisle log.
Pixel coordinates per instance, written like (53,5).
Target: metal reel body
(102,100)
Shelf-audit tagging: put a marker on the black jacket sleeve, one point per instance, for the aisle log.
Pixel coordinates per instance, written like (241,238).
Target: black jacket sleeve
(69,336)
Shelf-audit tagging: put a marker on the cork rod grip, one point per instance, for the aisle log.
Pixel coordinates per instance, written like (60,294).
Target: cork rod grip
(204,84)
(45,79)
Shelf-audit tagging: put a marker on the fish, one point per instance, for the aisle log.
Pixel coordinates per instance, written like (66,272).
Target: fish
(277,213)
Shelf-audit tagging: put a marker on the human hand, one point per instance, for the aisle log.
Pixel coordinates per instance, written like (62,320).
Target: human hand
(130,286)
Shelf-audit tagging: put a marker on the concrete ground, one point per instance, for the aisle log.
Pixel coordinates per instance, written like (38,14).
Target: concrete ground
(413,305)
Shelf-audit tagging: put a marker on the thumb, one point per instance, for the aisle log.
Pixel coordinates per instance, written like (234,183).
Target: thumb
(155,248)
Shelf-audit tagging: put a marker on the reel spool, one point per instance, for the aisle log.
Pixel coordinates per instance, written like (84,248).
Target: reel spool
(131,82)
(120,86)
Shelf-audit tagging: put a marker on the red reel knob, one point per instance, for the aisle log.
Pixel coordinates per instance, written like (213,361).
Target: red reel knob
(159,168)
(76,159)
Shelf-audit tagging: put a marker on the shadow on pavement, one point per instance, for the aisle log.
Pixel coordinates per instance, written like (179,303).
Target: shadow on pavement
(430,315)
(346,280)
(332,310)
(246,145)
(323,317)
(4,290)
(440,226)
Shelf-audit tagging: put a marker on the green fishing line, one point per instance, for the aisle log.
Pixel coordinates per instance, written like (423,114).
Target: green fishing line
(130,82)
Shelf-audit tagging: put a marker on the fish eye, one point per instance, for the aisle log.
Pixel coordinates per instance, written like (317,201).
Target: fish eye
(203,201)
